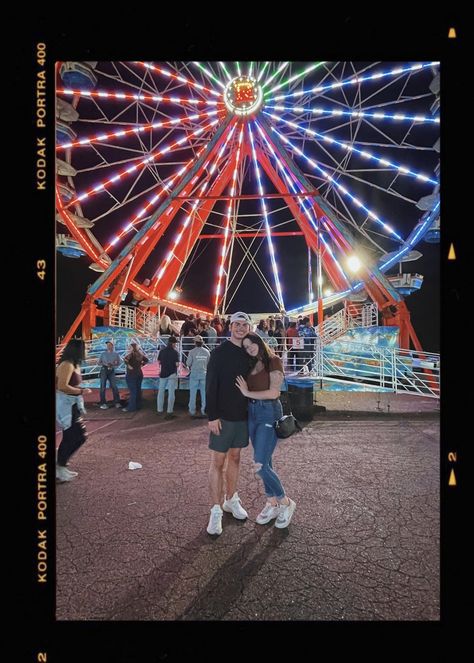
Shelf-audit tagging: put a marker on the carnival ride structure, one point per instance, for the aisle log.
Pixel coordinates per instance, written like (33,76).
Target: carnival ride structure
(170,174)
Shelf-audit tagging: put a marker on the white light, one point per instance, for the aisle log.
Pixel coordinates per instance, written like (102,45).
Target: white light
(173,294)
(354,263)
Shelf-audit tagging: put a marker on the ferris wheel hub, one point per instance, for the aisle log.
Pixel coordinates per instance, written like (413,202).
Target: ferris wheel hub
(243,95)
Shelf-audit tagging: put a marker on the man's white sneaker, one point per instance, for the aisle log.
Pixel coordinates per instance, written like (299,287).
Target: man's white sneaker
(234,506)
(104,406)
(285,515)
(269,512)
(215,521)
(63,474)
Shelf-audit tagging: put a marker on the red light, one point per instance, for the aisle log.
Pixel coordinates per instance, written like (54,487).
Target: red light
(245,92)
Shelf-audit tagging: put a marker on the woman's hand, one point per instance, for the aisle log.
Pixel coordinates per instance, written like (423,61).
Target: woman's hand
(242,385)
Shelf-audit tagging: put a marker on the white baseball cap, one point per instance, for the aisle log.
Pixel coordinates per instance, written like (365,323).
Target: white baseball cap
(240,316)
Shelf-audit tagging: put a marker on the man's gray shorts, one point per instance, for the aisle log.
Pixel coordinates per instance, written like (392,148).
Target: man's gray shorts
(234,435)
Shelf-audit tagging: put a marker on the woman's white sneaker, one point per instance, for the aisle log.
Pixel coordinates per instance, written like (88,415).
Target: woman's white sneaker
(269,512)
(215,521)
(285,515)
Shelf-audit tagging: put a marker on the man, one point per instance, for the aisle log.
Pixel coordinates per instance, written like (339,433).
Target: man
(197,362)
(308,332)
(226,409)
(108,360)
(168,358)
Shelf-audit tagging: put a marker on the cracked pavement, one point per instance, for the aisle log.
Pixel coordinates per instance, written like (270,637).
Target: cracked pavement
(363,543)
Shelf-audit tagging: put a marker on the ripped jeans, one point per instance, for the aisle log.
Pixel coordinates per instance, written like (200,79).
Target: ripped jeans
(262,416)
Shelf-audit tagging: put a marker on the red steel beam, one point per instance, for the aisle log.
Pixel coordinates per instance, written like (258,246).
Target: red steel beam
(190,235)
(255,234)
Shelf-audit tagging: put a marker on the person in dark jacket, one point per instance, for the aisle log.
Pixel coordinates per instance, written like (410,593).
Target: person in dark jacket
(168,358)
(134,361)
(226,409)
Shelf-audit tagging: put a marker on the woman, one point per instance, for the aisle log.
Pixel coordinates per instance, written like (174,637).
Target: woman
(166,327)
(134,362)
(263,389)
(70,406)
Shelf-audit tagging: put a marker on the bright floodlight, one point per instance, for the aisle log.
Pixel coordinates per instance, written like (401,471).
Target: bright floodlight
(173,295)
(354,264)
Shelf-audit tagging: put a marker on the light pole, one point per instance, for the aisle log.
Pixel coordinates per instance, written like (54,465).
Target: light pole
(320,278)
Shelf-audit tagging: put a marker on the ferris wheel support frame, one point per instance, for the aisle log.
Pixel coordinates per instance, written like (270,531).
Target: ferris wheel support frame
(133,248)
(139,246)
(191,233)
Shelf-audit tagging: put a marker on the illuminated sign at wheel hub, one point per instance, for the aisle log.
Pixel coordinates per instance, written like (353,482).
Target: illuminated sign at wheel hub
(243,95)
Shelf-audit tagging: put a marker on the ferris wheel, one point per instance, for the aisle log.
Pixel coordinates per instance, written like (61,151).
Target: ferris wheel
(232,173)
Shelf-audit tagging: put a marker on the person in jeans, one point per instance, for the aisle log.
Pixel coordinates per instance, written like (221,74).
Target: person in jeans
(168,359)
(197,362)
(108,361)
(134,361)
(70,407)
(226,409)
(262,388)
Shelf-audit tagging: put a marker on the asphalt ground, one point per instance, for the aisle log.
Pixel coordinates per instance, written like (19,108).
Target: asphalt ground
(363,543)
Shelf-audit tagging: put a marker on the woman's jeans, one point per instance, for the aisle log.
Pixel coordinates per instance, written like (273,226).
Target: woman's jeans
(134,384)
(262,416)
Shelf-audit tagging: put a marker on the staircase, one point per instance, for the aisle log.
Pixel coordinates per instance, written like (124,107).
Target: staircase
(352,315)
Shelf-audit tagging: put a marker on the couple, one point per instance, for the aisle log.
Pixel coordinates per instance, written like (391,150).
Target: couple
(242,394)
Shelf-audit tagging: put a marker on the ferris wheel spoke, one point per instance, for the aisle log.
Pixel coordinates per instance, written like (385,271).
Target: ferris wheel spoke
(354,199)
(305,206)
(166,72)
(279,69)
(295,76)
(226,71)
(401,168)
(358,79)
(367,232)
(124,173)
(261,70)
(136,130)
(213,77)
(321,113)
(342,169)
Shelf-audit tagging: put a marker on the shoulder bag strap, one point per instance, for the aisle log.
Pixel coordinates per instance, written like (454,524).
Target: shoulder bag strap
(288,394)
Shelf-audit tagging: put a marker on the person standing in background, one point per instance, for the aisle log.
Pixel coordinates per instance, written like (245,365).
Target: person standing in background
(168,359)
(134,361)
(108,361)
(197,362)
(70,406)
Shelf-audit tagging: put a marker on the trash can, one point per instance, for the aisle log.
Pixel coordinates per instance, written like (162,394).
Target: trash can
(300,395)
